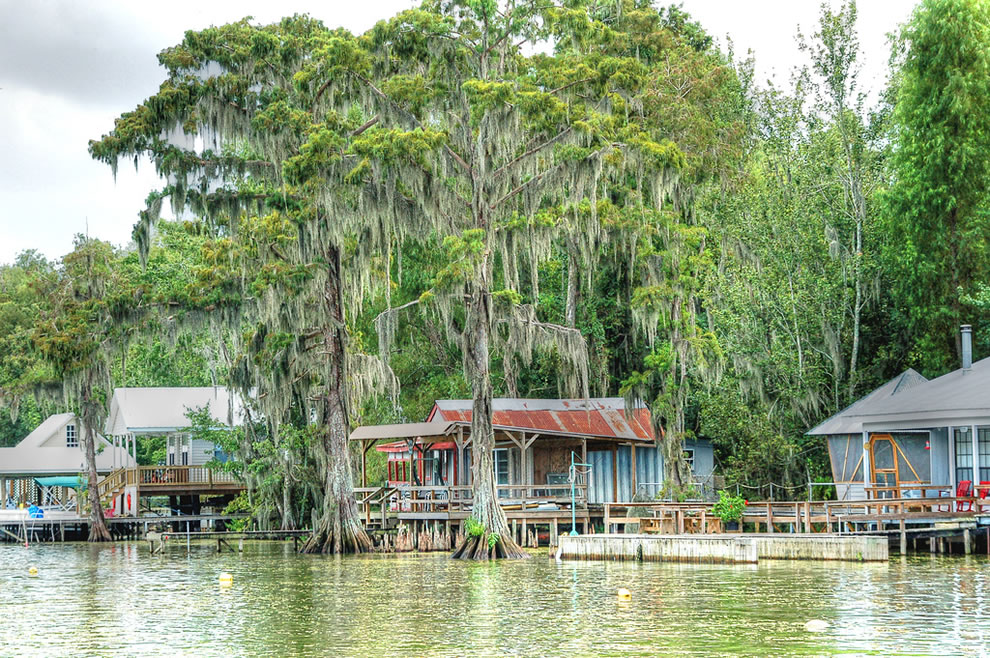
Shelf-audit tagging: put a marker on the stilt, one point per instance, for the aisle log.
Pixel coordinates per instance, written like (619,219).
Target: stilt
(903,538)
(931,545)
(554,532)
(967,548)
(526,536)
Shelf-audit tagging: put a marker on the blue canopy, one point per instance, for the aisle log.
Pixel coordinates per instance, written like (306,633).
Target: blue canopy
(71,481)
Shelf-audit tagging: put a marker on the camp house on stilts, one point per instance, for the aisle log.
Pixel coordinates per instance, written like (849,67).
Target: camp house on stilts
(922,447)
(428,465)
(47,466)
(914,437)
(186,475)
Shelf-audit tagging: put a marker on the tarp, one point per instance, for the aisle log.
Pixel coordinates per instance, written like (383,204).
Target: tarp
(61,481)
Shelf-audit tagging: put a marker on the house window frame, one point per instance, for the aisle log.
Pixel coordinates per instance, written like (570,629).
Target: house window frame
(71,436)
(983,453)
(689,454)
(962,438)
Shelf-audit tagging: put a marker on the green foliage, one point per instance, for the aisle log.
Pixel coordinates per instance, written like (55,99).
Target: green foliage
(473,527)
(937,203)
(729,508)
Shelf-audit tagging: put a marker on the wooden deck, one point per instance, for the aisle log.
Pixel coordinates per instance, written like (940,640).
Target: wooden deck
(169,481)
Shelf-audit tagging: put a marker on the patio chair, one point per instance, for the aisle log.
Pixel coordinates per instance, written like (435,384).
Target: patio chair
(964,490)
(982,492)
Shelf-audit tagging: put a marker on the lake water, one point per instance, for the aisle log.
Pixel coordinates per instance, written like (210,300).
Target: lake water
(118,600)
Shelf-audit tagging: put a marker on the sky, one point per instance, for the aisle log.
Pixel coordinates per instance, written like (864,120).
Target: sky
(68,68)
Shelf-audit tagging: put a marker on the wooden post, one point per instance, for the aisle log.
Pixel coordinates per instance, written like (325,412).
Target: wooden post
(769,517)
(632,467)
(903,538)
(967,547)
(554,532)
(525,537)
(364,464)
(807,517)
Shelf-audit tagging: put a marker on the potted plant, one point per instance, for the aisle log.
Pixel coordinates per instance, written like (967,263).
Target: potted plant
(729,509)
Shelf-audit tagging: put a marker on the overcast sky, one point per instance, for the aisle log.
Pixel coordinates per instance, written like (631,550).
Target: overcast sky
(67,68)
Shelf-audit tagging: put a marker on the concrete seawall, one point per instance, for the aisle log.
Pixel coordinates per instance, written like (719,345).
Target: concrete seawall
(725,548)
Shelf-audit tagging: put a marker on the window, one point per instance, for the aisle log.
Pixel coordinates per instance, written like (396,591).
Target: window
(964,454)
(689,457)
(71,438)
(502,469)
(983,438)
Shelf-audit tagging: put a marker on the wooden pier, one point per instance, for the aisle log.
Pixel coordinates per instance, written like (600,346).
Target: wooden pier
(722,548)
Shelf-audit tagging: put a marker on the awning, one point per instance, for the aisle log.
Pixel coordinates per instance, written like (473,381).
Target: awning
(403,431)
(402,446)
(71,481)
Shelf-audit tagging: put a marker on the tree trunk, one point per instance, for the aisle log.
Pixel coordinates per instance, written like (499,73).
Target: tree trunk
(288,521)
(97,524)
(339,528)
(496,541)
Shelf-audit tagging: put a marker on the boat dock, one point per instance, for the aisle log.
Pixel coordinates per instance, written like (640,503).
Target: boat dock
(723,548)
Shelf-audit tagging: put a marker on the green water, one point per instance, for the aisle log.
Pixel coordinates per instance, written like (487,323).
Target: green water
(118,600)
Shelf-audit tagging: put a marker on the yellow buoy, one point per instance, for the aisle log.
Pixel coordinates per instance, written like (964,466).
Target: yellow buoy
(623,594)
(33,571)
(226,579)
(815,625)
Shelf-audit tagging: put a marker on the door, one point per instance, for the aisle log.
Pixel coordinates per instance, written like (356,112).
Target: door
(883,461)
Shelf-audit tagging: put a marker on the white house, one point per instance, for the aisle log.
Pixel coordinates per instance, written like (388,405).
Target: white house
(161,411)
(54,448)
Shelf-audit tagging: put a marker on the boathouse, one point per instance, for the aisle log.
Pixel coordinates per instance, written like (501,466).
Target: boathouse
(54,449)
(428,464)
(914,437)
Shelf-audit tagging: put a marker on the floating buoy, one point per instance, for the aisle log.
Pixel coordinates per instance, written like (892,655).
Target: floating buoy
(623,594)
(33,571)
(815,626)
(226,579)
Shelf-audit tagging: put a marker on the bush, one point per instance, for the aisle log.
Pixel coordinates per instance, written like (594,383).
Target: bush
(729,508)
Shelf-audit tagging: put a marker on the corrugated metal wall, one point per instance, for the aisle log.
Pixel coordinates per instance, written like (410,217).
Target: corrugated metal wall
(600,483)
(649,471)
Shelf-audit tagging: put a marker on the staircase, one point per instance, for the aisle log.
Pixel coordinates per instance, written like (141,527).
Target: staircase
(112,486)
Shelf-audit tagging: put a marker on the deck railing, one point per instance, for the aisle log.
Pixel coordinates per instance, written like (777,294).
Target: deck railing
(166,476)
(800,516)
(459,498)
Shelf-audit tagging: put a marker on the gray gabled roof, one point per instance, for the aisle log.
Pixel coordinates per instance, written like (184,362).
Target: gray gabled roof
(159,409)
(958,395)
(848,421)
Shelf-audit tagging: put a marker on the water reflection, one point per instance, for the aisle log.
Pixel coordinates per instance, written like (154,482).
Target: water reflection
(109,600)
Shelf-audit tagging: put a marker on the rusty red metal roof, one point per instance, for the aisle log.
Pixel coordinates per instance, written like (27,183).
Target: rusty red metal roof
(595,417)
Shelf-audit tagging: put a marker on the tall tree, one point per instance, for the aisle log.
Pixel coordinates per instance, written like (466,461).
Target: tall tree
(936,209)
(280,266)
(846,163)
(90,299)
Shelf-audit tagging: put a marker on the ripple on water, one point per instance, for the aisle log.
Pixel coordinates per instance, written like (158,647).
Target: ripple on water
(101,600)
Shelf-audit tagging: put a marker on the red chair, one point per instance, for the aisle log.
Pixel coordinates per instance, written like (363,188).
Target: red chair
(964,490)
(982,492)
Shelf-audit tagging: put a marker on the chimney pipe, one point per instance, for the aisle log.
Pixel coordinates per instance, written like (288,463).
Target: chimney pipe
(967,346)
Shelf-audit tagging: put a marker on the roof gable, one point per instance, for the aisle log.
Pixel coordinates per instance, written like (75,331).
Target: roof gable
(164,408)
(962,393)
(847,420)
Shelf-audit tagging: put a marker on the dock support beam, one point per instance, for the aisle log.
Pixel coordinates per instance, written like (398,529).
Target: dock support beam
(967,546)
(903,538)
